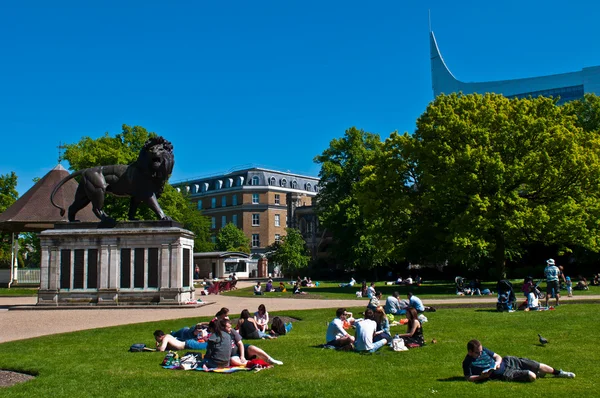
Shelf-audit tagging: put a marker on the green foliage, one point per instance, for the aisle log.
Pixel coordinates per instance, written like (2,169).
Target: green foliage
(8,190)
(231,238)
(290,251)
(338,207)
(96,363)
(8,196)
(482,177)
(124,148)
(29,246)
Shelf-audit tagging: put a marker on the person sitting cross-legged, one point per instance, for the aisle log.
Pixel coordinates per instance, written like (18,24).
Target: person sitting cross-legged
(365,331)
(336,334)
(482,364)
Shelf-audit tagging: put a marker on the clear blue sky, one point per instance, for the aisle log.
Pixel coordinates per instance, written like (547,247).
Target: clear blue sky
(266,83)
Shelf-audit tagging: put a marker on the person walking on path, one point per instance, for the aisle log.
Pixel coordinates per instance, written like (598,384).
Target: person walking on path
(481,364)
(552,273)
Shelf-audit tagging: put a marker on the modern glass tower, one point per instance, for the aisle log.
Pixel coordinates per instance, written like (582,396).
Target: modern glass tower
(569,86)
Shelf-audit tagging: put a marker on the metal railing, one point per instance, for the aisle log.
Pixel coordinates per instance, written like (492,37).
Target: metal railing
(28,276)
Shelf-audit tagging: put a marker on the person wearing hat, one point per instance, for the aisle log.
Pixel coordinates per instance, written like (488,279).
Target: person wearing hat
(552,284)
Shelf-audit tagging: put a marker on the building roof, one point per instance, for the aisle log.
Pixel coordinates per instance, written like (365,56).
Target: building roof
(33,212)
(568,86)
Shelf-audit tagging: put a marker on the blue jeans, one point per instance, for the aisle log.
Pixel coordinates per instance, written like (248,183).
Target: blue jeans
(193,344)
(377,345)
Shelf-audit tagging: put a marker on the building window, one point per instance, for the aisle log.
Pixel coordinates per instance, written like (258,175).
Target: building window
(283,182)
(223,201)
(255,180)
(277,199)
(199,205)
(308,186)
(234,219)
(213,202)
(255,198)
(234,200)
(255,220)
(255,240)
(223,221)
(277,220)
(213,239)
(272,181)
(218,184)
(277,237)
(286,222)
(213,222)
(294,184)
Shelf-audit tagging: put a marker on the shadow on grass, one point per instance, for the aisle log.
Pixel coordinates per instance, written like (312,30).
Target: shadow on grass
(453,378)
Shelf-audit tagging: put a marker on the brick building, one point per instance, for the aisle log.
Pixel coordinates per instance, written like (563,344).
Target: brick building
(260,202)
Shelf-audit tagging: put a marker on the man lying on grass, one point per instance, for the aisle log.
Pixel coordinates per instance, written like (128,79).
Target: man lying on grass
(481,364)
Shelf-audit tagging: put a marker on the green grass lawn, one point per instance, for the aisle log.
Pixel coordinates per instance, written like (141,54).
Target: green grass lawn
(18,292)
(96,362)
(429,290)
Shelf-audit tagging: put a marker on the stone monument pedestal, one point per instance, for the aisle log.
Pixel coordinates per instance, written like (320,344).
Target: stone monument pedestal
(132,263)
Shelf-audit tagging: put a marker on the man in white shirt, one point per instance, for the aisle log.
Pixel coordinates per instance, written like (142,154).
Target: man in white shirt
(365,330)
(336,334)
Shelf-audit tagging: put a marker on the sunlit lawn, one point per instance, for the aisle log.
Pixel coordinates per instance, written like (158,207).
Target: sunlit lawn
(96,363)
(429,290)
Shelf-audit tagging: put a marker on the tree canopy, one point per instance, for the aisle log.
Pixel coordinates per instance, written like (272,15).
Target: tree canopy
(124,148)
(231,238)
(8,196)
(483,176)
(338,209)
(290,252)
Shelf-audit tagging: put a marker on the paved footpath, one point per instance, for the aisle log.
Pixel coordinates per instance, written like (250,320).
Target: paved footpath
(18,324)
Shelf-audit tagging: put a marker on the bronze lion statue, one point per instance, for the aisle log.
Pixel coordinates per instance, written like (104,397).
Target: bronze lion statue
(143,180)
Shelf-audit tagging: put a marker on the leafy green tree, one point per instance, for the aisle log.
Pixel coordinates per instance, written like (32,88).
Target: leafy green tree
(124,148)
(8,196)
(231,238)
(8,190)
(290,252)
(337,205)
(484,175)
(587,112)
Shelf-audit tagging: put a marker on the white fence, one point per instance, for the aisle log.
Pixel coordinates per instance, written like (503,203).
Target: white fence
(28,276)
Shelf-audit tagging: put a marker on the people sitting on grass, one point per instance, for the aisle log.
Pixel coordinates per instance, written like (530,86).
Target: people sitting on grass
(297,289)
(269,286)
(596,280)
(395,306)
(279,328)
(475,286)
(249,328)
(581,284)
(371,290)
(258,289)
(365,332)
(482,364)
(241,353)
(349,284)
(414,333)
(363,289)
(218,351)
(383,325)
(375,301)
(262,318)
(417,304)
(336,335)
(281,288)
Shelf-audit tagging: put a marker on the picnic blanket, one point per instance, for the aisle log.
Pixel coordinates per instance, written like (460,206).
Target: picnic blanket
(191,361)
